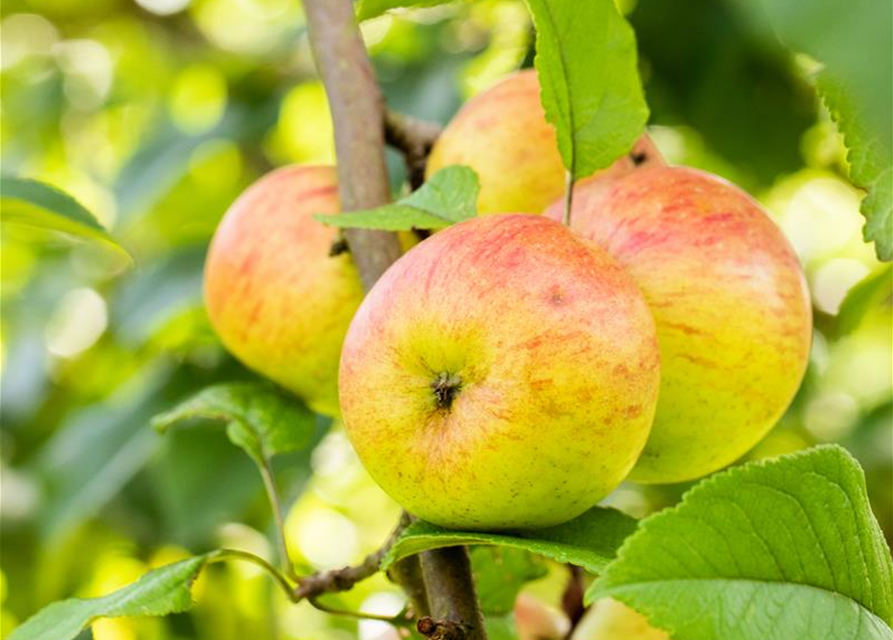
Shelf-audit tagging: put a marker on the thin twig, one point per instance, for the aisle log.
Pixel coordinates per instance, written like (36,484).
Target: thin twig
(221,555)
(345,578)
(414,139)
(399,620)
(285,562)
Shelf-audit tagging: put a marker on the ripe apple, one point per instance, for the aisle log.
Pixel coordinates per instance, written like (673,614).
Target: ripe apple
(536,621)
(502,134)
(730,302)
(503,373)
(609,619)
(279,301)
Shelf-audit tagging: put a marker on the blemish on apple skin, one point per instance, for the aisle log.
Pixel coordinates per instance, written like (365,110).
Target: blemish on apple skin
(633,411)
(556,297)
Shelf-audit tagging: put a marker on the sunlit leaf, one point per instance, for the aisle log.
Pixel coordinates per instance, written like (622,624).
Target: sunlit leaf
(449,196)
(589,541)
(160,592)
(873,291)
(587,65)
(367,9)
(773,550)
(36,204)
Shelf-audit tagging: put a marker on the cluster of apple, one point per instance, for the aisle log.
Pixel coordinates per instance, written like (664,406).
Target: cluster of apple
(510,371)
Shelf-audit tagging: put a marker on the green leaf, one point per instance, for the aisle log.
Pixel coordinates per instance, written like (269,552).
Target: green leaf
(591,92)
(500,573)
(775,550)
(367,9)
(502,627)
(259,418)
(36,204)
(855,83)
(158,593)
(873,291)
(589,541)
(449,196)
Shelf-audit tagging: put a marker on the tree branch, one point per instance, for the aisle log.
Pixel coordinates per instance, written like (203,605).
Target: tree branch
(357,112)
(414,139)
(572,598)
(451,594)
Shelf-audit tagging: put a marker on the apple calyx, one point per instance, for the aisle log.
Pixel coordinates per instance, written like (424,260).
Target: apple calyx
(446,387)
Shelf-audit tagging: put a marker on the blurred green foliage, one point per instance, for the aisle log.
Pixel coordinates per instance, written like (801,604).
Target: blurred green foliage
(155,114)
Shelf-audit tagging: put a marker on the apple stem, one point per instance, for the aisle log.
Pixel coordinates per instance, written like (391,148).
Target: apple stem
(568,199)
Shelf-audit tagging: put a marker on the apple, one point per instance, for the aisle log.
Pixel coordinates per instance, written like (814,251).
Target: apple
(277,298)
(609,619)
(502,134)
(537,621)
(503,373)
(730,302)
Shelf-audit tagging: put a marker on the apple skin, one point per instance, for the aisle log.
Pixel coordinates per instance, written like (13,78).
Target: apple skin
(609,619)
(502,134)
(279,302)
(731,305)
(503,373)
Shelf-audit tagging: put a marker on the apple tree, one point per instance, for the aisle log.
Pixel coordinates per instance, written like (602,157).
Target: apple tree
(544,312)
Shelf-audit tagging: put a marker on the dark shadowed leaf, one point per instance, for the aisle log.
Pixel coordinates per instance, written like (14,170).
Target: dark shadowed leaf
(856,83)
(259,418)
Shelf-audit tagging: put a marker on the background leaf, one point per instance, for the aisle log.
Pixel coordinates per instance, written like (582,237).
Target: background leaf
(260,419)
(857,91)
(500,573)
(36,204)
(770,551)
(159,592)
(873,291)
(373,8)
(447,197)
(589,541)
(587,66)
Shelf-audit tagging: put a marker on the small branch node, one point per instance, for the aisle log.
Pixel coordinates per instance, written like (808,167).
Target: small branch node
(440,629)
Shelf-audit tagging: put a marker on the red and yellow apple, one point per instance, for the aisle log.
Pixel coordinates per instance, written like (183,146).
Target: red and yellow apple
(503,373)
(502,134)
(730,303)
(277,298)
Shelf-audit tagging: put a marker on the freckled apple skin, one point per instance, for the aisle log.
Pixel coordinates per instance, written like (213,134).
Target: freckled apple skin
(609,619)
(277,299)
(502,134)
(730,301)
(558,366)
